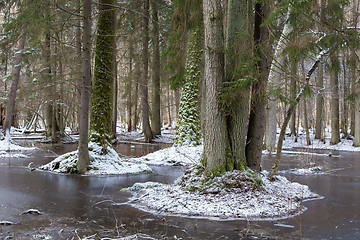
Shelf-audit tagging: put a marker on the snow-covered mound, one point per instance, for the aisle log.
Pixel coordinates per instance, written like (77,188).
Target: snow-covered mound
(272,200)
(184,156)
(100,164)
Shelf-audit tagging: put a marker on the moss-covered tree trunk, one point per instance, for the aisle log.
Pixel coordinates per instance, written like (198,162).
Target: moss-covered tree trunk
(155,116)
(101,107)
(115,83)
(256,128)
(188,131)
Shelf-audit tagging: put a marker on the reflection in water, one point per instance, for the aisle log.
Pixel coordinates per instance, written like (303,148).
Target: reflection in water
(85,203)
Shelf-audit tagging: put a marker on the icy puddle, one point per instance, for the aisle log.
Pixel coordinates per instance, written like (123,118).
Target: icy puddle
(75,207)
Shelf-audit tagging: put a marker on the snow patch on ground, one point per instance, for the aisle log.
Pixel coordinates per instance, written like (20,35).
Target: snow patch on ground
(273,200)
(109,163)
(178,156)
(305,171)
(4,154)
(9,145)
(344,145)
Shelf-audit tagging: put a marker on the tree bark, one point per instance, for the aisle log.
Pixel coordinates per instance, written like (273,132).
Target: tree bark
(238,52)
(115,82)
(83,157)
(319,102)
(256,129)
(155,116)
(356,142)
(144,83)
(289,112)
(273,83)
(334,102)
(102,91)
(293,80)
(215,139)
(129,102)
(14,84)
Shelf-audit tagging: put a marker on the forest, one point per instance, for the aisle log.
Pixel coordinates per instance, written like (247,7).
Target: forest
(204,110)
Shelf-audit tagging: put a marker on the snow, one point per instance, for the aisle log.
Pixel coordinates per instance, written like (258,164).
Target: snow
(184,156)
(344,145)
(105,164)
(278,199)
(9,145)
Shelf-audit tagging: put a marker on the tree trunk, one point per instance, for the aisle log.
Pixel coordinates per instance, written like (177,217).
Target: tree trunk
(14,84)
(188,130)
(155,116)
(115,83)
(334,102)
(102,92)
(276,71)
(293,80)
(290,111)
(319,102)
(306,124)
(83,161)
(144,76)
(357,112)
(129,103)
(215,139)
(238,52)
(345,103)
(256,129)
(353,91)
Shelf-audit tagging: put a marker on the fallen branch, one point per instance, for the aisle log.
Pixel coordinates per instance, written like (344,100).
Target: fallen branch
(290,111)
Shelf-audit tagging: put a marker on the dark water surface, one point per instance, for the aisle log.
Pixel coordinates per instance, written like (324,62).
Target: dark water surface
(91,206)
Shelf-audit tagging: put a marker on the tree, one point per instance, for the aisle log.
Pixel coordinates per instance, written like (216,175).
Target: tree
(101,107)
(155,116)
(256,128)
(214,157)
(14,84)
(83,157)
(188,130)
(334,102)
(144,76)
(274,81)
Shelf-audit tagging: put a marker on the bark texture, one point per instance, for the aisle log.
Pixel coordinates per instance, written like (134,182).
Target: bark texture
(102,91)
(256,129)
(144,76)
(319,102)
(83,157)
(14,84)
(274,82)
(155,116)
(237,63)
(334,101)
(215,140)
